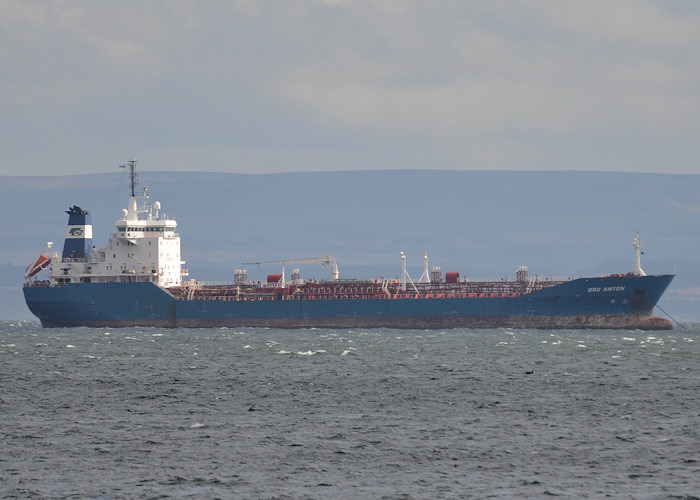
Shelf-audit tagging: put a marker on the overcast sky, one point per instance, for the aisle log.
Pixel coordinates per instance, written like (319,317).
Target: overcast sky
(254,86)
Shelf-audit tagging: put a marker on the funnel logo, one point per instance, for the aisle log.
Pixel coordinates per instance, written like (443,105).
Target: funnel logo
(79,232)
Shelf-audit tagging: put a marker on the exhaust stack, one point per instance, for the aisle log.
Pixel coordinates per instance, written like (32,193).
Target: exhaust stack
(78,234)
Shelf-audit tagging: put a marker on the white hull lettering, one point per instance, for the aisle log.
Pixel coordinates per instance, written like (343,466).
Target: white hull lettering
(606,289)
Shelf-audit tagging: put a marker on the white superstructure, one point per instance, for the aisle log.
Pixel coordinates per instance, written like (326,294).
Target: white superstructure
(145,247)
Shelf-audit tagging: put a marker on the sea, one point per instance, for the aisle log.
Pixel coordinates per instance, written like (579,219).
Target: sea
(106,413)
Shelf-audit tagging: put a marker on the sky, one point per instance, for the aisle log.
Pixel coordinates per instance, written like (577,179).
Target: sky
(256,86)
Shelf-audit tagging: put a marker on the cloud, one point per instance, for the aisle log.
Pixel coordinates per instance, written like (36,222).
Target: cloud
(65,51)
(508,84)
(574,67)
(650,26)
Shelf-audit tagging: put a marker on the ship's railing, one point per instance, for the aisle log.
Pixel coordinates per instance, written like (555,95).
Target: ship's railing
(229,293)
(344,296)
(365,282)
(209,284)
(361,289)
(503,279)
(37,283)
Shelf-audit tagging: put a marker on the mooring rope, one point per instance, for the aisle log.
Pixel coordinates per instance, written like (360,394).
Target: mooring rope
(670,317)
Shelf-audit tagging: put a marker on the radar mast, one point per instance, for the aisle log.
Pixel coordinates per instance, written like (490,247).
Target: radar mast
(133,176)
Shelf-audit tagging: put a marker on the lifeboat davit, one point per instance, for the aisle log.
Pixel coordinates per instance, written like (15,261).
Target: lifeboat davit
(41,262)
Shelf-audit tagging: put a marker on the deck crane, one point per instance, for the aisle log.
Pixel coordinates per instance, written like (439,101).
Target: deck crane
(324,261)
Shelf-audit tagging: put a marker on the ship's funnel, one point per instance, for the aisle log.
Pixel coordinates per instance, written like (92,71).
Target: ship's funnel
(78,234)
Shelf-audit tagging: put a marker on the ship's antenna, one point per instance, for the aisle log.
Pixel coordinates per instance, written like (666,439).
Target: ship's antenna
(133,176)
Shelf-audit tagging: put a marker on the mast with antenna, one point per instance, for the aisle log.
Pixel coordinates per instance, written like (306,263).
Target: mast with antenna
(133,176)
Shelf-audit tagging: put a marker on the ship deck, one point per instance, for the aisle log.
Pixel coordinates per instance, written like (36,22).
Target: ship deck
(357,289)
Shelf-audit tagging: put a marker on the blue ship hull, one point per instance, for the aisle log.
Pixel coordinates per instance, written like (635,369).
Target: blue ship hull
(604,302)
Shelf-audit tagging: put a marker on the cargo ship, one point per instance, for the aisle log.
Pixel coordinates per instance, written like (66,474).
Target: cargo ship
(139,279)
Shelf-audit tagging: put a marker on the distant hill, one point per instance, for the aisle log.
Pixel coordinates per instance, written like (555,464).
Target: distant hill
(482,224)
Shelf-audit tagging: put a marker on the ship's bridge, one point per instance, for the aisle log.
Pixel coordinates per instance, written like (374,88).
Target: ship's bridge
(145,229)
(144,220)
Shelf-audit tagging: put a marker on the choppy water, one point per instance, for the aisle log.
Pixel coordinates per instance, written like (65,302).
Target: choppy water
(257,413)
